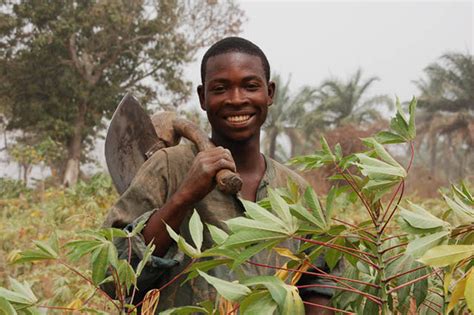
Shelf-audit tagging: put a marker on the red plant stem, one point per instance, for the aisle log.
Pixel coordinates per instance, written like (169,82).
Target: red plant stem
(410,282)
(89,298)
(134,291)
(178,275)
(368,296)
(57,308)
(330,245)
(355,226)
(437,293)
(322,275)
(120,289)
(394,236)
(342,249)
(357,191)
(393,247)
(468,229)
(430,307)
(358,236)
(129,250)
(327,307)
(412,156)
(403,273)
(90,282)
(434,303)
(392,259)
(394,208)
(391,200)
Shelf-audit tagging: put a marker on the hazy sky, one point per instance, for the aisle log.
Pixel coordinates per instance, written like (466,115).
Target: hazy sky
(396,40)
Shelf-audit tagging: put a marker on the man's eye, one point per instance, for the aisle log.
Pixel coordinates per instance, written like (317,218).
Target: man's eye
(252,87)
(218,88)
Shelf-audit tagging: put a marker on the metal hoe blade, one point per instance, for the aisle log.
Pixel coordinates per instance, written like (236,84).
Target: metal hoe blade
(131,135)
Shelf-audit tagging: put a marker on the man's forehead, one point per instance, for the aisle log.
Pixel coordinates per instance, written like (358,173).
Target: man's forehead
(226,60)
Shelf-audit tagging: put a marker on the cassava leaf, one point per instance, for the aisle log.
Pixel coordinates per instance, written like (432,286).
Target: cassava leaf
(196,229)
(218,235)
(420,245)
(445,255)
(232,291)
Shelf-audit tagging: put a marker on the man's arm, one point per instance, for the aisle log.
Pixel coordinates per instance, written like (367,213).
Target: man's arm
(197,184)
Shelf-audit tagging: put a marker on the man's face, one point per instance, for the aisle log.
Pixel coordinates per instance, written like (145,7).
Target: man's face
(236,96)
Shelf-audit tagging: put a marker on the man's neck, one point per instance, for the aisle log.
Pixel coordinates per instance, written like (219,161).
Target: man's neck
(246,154)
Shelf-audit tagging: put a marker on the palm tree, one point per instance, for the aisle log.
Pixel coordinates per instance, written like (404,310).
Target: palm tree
(446,122)
(285,115)
(346,101)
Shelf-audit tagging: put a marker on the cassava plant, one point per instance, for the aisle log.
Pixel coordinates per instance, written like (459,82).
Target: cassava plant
(401,259)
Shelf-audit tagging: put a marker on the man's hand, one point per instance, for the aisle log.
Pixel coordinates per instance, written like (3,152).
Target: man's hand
(196,185)
(200,179)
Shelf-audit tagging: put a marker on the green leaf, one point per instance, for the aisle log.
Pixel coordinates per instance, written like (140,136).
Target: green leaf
(276,287)
(303,214)
(232,291)
(333,254)
(312,201)
(100,263)
(126,274)
(205,266)
(6,307)
(20,294)
(252,251)
(326,149)
(79,248)
(462,210)
(239,223)
(445,255)
(246,237)
(23,288)
(258,213)
(293,302)
(218,235)
(419,246)
(420,218)
(46,248)
(182,244)
(376,169)
(386,137)
(282,209)
(196,229)
(256,302)
(146,258)
(469,291)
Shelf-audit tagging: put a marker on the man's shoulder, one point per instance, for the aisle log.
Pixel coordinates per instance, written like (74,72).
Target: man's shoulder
(283,173)
(178,154)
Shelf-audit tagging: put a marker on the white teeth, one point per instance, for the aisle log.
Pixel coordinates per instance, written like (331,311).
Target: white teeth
(238,118)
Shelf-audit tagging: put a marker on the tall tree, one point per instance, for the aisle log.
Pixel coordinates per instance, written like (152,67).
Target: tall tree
(285,116)
(447,117)
(65,64)
(342,101)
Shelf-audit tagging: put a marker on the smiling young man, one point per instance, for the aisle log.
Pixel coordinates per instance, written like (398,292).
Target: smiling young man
(236,93)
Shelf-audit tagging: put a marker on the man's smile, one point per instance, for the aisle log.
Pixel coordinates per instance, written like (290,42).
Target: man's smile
(238,118)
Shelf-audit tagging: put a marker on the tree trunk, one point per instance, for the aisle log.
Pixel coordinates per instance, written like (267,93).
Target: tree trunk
(71,173)
(272,147)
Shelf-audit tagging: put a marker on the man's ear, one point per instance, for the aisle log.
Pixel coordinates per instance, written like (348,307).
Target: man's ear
(200,92)
(271,92)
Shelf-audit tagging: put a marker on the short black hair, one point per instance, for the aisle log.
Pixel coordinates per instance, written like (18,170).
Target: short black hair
(235,44)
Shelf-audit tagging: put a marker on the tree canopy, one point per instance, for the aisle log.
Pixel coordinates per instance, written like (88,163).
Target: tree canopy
(64,65)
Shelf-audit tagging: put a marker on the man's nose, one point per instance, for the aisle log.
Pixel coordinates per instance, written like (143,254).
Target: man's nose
(237,97)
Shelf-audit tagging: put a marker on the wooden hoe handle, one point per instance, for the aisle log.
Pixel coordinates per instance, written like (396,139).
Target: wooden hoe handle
(227,181)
